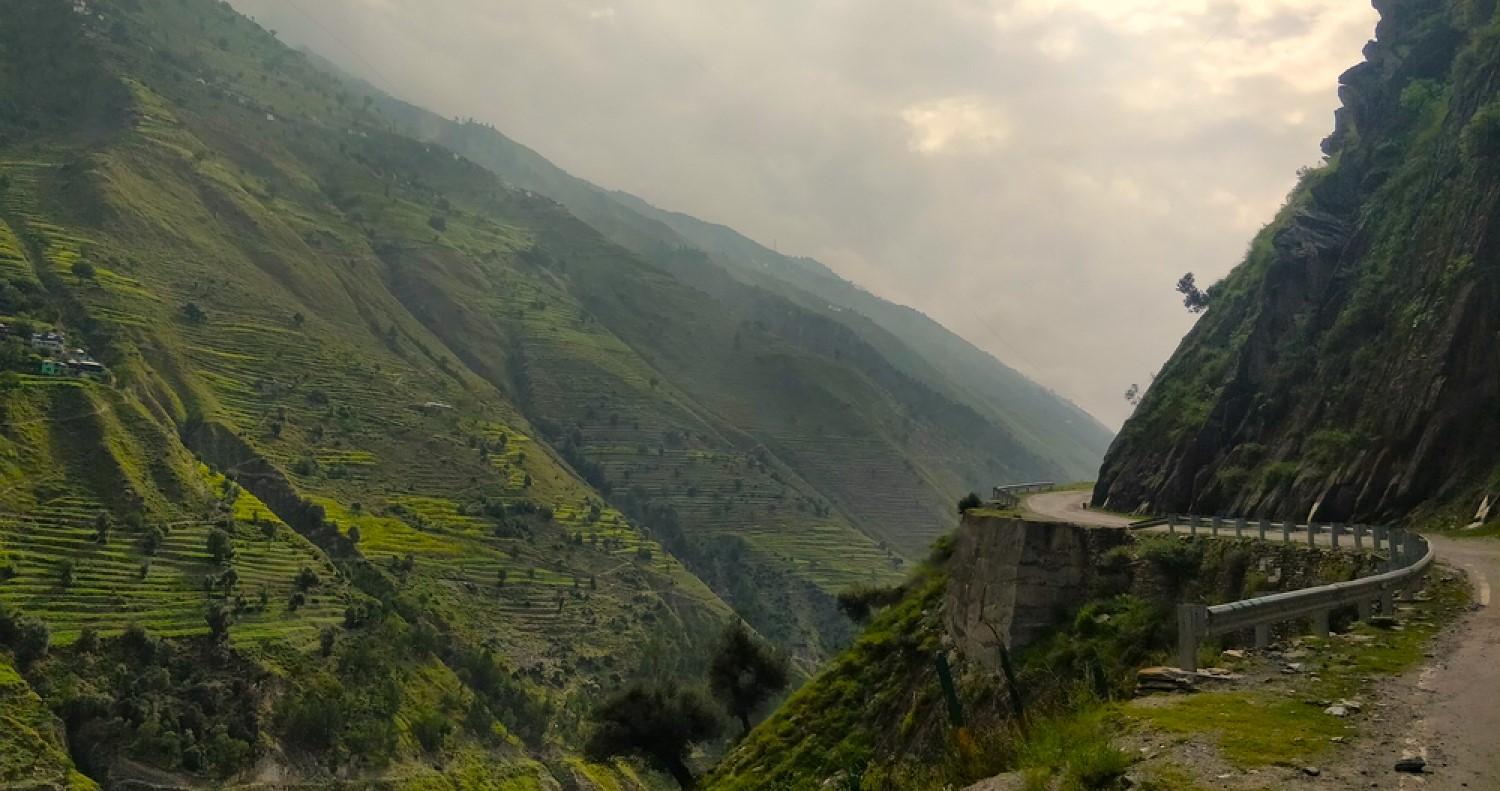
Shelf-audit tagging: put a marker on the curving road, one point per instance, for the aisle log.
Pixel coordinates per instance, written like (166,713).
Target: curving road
(1448,710)
(1068,506)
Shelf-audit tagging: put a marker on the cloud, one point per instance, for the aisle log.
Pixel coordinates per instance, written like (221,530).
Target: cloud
(955,122)
(1036,174)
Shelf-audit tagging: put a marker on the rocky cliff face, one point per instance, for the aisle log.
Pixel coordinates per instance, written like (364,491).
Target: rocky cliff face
(1349,368)
(1014,579)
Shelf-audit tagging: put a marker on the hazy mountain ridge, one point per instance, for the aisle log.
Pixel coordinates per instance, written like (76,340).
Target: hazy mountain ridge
(1347,369)
(1047,426)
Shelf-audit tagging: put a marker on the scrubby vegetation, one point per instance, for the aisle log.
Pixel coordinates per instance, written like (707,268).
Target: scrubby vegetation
(877,718)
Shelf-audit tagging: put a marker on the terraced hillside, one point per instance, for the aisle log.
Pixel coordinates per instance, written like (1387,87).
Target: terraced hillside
(397,468)
(284,456)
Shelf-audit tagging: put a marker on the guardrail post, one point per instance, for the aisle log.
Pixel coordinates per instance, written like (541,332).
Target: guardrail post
(1379,533)
(1193,525)
(1192,624)
(1359,538)
(1264,523)
(1364,609)
(1312,534)
(1239,527)
(1393,539)
(1263,637)
(1214,525)
(1172,523)
(1387,603)
(1286,532)
(1409,590)
(1320,623)
(1333,534)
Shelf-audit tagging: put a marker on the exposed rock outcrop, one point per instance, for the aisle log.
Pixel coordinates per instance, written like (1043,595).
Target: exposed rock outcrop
(1348,369)
(1015,578)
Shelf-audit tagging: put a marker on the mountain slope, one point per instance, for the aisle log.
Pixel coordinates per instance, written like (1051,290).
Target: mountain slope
(1066,442)
(284,451)
(1347,369)
(397,468)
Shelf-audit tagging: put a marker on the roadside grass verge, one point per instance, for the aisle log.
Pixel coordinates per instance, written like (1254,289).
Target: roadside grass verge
(1286,726)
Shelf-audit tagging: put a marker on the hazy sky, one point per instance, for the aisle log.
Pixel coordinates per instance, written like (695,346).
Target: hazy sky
(1035,174)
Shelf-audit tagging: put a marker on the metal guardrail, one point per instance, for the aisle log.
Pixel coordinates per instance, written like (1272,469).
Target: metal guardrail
(1362,536)
(1024,488)
(1411,557)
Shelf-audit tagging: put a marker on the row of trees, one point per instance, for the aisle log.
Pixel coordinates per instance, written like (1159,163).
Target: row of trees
(661,724)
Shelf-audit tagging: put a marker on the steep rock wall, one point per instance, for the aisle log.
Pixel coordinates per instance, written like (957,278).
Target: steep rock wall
(1012,579)
(1348,369)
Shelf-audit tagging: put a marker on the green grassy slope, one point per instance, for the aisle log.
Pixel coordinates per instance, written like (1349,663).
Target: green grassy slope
(32,752)
(481,588)
(1346,369)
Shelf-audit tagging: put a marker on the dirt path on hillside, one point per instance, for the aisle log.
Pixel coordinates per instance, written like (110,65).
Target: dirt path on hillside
(1447,711)
(1069,507)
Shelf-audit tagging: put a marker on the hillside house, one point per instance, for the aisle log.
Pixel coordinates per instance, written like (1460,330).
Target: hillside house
(86,369)
(49,342)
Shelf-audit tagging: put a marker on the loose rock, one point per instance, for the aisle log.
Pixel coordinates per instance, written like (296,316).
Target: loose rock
(1412,763)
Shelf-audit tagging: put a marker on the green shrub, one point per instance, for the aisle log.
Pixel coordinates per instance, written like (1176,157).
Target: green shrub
(1480,139)
(1280,474)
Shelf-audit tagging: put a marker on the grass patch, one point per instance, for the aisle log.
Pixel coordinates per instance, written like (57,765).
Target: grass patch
(1075,748)
(1282,728)
(1252,729)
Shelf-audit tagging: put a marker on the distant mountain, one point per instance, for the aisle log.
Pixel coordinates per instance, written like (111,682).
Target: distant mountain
(1052,429)
(1348,368)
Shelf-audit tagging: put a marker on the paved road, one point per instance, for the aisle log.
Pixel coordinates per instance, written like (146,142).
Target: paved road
(1453,704)
(1448,710)
(1068,507)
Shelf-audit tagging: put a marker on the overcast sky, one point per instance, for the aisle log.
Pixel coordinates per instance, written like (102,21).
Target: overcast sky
(1035,174)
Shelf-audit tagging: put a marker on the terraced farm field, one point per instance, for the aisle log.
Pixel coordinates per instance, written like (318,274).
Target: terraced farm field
(61,573)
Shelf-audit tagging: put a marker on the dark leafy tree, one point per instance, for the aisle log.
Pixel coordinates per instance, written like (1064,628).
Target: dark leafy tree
(219,620)
(326,640)
(220,545)
(153,540)
(1133,395)
(193,313)
(656,724)
(969,502)
(83,270)
(858,602)
(28,638)
(102,524)
(745,672)
(1193,299)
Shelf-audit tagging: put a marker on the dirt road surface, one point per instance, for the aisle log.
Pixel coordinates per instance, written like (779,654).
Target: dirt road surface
(1448,711)
(1068,507)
